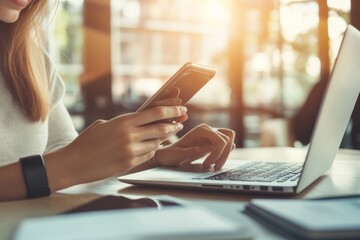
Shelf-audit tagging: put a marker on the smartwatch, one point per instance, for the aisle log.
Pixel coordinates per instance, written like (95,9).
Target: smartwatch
(35,177)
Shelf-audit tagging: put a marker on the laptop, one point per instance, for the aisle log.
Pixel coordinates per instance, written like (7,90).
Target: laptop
(281,177)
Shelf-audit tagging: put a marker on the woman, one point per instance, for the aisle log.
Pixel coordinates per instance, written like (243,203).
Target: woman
(36,128)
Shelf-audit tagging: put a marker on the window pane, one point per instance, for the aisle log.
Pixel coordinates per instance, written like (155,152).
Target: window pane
(151,39)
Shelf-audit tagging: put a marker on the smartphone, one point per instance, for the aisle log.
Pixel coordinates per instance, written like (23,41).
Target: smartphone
(189,79)
(109,202)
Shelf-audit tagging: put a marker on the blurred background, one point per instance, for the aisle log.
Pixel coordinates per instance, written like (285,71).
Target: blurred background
(269,54)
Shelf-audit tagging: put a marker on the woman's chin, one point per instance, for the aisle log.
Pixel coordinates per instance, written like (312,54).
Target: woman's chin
(9,16)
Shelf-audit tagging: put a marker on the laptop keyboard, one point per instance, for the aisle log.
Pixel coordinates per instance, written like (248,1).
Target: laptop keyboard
(262,172)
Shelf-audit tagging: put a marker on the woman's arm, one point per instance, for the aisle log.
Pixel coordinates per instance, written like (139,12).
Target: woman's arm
(12,183)
(104,149)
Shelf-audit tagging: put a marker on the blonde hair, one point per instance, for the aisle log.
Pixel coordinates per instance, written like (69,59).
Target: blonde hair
(22,62)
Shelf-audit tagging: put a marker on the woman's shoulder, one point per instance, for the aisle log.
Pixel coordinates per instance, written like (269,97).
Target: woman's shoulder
(55,82)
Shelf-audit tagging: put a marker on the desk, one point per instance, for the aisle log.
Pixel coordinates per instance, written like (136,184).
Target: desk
(342,178)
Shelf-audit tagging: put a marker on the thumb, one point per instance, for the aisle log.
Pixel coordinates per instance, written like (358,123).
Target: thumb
(94,124)
(177,155)
(97,122)
(191,154)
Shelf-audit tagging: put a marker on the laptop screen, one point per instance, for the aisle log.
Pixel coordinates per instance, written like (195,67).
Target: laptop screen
(336,109)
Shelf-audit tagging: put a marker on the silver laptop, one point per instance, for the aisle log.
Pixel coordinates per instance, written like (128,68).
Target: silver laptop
(281,177)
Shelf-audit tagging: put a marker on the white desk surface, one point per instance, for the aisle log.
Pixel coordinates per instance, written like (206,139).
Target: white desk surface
(342,179)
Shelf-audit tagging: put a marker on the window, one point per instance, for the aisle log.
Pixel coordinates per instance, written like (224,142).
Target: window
(152,39)
(65,41)
(275,44)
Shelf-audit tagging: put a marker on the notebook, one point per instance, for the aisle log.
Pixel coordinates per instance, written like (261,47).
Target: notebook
(328,218)
(293,177)
(176,223)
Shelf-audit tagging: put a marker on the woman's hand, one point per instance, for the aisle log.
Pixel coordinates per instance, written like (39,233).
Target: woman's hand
(199,142)
(110,147)
(172,99)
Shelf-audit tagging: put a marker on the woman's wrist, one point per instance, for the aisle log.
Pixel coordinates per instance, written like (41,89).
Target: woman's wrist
(35,176)
(11,175)
(59,172)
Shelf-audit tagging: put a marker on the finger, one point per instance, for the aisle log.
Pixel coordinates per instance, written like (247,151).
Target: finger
(156,130)
(220,149)
(188,155)
(172,99)
(172,102)
(196,154)
(230,136)
(181,119)
(174,93)
(158,113)
(218,143)
(183,155)
(143,158)
(169,102)
(141,148)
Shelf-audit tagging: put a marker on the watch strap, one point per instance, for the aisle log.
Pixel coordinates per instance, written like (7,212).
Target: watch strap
(35,177)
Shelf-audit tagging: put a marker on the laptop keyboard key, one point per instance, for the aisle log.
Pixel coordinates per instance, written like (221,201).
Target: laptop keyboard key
(261,172)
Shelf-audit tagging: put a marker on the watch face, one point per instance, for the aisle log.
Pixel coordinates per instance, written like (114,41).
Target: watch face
(35,176)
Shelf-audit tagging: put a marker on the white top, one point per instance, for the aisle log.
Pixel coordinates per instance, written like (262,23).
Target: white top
(20,137)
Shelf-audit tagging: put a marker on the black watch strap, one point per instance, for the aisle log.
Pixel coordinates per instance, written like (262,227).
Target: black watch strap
(34,172)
